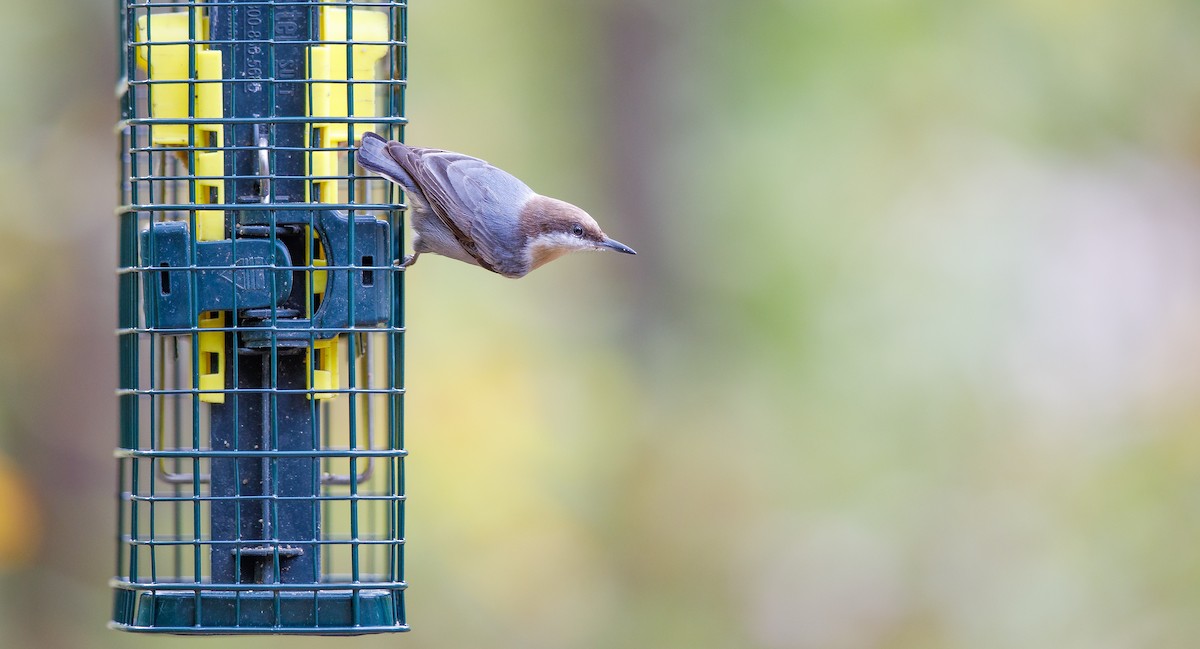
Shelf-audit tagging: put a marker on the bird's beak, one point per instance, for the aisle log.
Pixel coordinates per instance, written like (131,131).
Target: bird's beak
(617,245)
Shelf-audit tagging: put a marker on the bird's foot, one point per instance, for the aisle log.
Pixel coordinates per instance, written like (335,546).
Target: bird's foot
(407,261)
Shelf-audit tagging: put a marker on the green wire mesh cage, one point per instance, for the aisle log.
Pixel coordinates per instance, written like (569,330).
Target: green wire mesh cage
(261,485)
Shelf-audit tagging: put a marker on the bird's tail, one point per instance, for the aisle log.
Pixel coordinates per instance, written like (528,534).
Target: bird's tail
(373,155)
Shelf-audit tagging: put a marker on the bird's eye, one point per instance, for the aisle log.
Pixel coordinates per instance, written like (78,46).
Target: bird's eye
(577,230)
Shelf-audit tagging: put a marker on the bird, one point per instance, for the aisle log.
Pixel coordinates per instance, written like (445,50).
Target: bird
(466,209)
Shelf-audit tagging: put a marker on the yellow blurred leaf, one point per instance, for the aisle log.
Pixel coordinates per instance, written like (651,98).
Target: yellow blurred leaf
(20,520)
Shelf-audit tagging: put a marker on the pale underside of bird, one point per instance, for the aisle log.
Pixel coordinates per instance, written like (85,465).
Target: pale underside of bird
(464,208)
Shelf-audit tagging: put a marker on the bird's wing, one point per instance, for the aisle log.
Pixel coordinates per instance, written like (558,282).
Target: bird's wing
(478,202)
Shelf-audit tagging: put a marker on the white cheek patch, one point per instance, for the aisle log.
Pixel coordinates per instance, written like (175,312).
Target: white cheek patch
(548,247)
(561,240)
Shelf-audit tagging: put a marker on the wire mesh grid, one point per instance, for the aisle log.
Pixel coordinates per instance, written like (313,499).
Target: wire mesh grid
(260,473)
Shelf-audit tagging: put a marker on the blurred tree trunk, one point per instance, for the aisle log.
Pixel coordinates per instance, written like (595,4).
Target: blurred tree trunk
(636,118)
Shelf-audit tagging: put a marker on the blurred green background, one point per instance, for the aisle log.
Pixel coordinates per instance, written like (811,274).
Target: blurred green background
(909,357)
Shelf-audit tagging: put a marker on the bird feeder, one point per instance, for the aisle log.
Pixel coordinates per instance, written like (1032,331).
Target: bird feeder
(261,485)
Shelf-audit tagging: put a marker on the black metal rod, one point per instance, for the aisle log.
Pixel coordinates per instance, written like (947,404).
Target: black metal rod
(255,47)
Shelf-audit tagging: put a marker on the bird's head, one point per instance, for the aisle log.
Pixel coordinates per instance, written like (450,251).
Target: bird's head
(553,228)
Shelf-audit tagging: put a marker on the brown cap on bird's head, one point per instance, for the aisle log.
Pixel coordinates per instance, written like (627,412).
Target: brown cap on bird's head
(552,228)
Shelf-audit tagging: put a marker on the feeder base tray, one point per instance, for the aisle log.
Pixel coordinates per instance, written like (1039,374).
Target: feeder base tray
(328,612)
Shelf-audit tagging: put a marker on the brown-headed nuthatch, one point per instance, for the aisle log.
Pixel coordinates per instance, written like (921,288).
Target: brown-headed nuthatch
(464,208)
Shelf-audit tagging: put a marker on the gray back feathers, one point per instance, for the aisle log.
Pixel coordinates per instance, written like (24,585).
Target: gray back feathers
(477,202)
